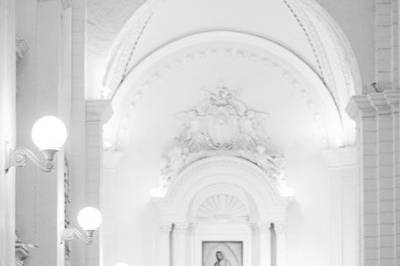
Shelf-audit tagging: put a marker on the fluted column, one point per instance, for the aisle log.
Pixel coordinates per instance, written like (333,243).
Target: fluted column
(165,249)
(180,244)
(265,244)
(281,243)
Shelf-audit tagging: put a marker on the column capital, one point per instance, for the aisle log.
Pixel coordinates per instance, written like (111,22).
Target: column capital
(393,98)
(379,102)
(98,110)
(360,106)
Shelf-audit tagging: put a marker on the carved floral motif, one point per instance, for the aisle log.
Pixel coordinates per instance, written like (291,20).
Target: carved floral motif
(221,124)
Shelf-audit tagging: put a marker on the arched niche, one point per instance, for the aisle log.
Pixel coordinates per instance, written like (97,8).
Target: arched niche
(264,52)
(221,200)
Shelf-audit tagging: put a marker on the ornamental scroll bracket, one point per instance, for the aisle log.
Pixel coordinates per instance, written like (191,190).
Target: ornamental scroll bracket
(221,124)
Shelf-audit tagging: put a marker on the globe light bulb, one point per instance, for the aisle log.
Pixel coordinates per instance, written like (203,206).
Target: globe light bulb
(49,133)
(89,218)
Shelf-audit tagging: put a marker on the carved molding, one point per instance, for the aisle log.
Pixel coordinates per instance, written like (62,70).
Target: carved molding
(120,61)
(187,190)
(152,73)
(369,105)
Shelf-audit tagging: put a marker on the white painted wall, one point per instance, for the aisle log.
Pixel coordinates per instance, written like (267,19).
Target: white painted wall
(323,224)
(43,89)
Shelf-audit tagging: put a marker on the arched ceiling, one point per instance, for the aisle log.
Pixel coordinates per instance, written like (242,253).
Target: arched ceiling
(292,23)
(174,78)
(280,59)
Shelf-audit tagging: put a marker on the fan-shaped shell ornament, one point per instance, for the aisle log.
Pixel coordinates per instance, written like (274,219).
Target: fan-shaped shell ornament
(222,206)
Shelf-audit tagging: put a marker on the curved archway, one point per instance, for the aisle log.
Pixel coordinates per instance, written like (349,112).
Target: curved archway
(290,65)
(165,68)
(120,60)
(252,195)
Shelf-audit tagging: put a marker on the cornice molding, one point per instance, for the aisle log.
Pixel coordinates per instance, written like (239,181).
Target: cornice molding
(379,102)
(393,98)
(372,104)
(360,106)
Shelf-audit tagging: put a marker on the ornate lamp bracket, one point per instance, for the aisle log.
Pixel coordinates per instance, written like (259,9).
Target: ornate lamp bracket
(72,233)
(19,157)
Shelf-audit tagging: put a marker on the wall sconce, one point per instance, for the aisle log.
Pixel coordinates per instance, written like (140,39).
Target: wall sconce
(49,135)
(89,219)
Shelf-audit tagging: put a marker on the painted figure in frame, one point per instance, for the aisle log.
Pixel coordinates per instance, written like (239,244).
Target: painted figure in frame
(221,260)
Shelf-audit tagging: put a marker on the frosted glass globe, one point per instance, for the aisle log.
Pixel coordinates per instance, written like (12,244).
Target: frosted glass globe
(49,133)
(89,218)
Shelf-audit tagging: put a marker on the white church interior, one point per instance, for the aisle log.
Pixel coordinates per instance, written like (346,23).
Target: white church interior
(200,133)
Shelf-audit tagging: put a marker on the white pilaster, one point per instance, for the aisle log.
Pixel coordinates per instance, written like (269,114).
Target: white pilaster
(361,110)
(97,112)
(265,244)
(180,244)
(111,159)
(164,258)
(281,243)
(377,122)
(344,206)
(386,183)
(393,99)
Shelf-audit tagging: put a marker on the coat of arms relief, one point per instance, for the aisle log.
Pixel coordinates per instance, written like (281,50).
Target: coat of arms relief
(221,124)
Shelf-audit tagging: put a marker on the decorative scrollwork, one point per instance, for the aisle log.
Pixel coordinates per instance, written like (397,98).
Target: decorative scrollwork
(20,156)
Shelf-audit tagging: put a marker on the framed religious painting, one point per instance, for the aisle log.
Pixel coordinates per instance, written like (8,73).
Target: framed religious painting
(222,253)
